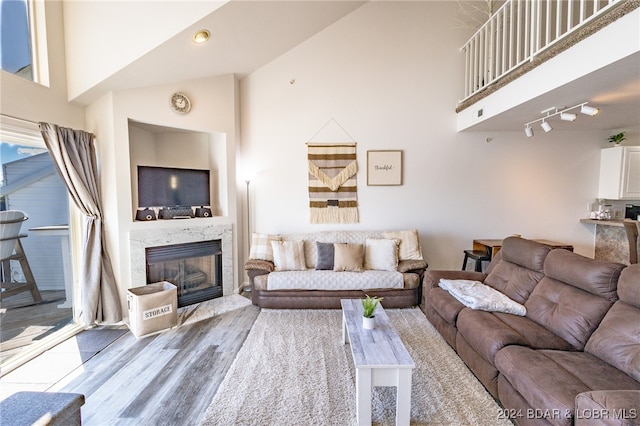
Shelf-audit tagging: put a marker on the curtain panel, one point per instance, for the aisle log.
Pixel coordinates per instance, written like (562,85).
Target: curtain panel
(74,155)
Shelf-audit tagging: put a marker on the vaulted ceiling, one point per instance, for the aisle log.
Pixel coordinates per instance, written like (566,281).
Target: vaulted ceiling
(245,35)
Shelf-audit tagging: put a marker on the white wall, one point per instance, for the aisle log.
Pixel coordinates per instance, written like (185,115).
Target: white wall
(390,74)
(214,113)
(27,100)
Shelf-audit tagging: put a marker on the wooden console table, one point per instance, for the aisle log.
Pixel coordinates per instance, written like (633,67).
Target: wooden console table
(493,246)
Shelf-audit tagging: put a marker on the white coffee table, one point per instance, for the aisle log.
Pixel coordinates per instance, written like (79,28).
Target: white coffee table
(380,359)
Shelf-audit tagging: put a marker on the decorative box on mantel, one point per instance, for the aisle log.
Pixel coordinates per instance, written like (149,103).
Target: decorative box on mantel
(187,231)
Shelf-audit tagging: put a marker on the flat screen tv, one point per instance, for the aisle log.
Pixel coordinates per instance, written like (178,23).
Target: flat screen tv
(171,187)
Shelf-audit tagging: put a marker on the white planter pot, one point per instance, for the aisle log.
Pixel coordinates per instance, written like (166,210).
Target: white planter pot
(368,323)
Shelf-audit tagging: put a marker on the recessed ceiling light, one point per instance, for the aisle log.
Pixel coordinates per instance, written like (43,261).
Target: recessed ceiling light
(201,36)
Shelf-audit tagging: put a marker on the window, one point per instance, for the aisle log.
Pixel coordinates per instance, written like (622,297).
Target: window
(22,52)
(15,38)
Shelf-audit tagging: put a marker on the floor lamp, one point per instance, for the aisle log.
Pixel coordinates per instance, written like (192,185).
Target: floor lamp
(248,196)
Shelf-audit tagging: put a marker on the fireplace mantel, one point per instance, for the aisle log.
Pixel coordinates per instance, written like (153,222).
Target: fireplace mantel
(177,232)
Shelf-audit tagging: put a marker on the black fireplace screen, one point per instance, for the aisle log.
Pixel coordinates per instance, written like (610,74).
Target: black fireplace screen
(195,268)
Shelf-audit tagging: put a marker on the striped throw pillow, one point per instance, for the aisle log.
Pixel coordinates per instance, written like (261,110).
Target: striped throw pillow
(381,254)
(288,255)
(409,244)
(261,246)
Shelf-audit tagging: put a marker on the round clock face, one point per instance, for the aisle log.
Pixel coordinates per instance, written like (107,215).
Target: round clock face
(180,103)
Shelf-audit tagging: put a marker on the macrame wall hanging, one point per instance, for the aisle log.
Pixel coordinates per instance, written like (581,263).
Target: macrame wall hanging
(333,189)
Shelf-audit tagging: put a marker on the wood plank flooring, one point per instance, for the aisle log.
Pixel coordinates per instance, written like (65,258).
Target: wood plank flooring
(24,321)
(166,379)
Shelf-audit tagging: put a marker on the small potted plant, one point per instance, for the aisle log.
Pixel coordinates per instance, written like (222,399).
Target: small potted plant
(617,138)
(368,316)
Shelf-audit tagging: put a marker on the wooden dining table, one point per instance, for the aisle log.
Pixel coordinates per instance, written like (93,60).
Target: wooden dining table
(492,246)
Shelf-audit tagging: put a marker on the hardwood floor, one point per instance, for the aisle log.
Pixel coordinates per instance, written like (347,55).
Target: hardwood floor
(166,379)
(24,321)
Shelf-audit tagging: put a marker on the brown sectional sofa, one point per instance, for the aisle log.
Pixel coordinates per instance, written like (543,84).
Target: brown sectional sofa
(574,357)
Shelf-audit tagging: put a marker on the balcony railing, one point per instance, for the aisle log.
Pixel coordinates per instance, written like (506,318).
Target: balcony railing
(518,32)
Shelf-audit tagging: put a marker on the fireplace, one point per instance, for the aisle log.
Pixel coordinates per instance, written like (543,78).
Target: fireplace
(195,268)
(159,233)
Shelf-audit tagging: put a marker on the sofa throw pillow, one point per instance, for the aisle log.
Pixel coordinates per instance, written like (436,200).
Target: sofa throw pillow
(476,295)
(381,254)
(288,255)
(348,257)
(261,246)
(324,261)
(409,244)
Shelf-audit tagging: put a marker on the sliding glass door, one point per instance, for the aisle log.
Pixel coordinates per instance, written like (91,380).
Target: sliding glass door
(30,185)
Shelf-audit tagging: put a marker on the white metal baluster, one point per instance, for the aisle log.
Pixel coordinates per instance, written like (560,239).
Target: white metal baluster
(558,19)
(547,33)
(467,59)
(569,16)
(519,33)
(490,50)
(476,58)
(536,20)
(527,13)
(483,57)
(503,47)
(511,35)
(470,53)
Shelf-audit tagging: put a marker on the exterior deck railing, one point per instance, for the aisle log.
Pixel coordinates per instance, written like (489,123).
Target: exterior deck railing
(518,32)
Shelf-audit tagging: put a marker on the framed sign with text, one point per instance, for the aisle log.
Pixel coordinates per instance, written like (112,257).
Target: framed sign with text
(384,167)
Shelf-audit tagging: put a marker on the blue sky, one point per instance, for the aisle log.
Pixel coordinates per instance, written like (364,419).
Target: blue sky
(11,152)
(15,50)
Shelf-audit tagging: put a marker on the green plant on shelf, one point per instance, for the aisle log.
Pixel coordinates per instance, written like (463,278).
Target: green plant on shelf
(617,138)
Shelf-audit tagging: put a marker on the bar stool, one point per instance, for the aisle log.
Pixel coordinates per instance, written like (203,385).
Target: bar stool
(478,256)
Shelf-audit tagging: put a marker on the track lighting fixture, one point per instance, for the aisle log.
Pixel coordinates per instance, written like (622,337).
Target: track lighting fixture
(564,115)
(587,110)
(528,131)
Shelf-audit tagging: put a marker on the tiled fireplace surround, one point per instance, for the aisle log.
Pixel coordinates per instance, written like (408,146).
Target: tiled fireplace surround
(155,237)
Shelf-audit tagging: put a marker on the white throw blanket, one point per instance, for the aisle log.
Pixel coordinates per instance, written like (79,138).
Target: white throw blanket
(332,280)
(476,295)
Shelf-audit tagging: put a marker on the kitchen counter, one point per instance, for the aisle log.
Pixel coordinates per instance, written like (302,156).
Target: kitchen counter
(612,222)
(611,240)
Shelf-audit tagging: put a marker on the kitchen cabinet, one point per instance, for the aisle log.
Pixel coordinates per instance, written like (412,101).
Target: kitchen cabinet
(620,173)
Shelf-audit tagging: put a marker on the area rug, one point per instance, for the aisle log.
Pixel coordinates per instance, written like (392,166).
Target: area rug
(293,369)
(190,314)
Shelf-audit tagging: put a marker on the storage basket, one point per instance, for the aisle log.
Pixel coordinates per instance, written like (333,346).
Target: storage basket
(152,308)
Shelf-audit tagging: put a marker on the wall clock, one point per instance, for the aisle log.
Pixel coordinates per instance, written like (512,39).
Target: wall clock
(180,103)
